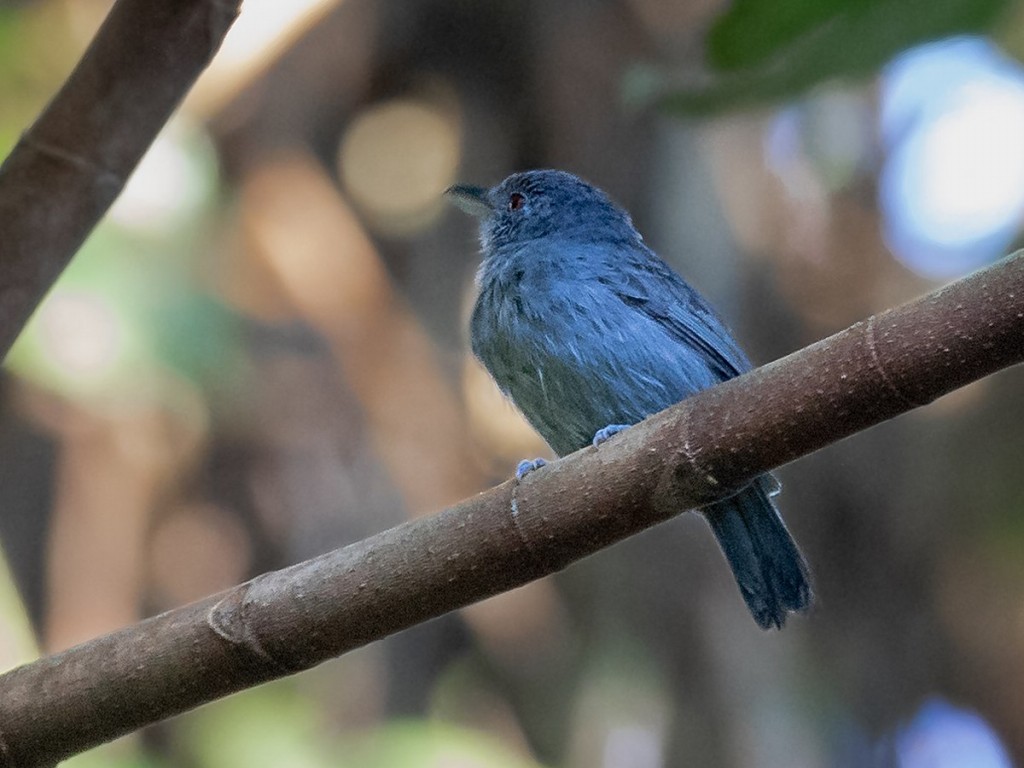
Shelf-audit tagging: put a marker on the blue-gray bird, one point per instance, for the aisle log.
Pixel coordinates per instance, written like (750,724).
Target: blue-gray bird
(588,331)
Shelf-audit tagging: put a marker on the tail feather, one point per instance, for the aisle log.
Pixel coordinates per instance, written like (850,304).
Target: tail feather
(769,569)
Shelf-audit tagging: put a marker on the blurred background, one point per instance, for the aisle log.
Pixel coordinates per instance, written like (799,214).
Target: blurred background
(261,355)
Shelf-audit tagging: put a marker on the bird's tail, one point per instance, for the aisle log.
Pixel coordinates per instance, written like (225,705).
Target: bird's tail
(768,567)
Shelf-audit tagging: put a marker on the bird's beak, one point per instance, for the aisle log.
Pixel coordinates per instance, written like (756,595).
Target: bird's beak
(472,200)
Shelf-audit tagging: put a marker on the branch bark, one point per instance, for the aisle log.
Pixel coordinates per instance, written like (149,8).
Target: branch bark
(696,452)
(73,162)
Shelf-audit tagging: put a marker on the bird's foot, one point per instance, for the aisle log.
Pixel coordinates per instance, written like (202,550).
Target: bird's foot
(526,467)
(605,433)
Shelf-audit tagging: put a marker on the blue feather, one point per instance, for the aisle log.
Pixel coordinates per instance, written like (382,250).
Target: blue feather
(583,326)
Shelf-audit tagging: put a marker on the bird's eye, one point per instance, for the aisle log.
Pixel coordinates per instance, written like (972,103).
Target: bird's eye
(516,201)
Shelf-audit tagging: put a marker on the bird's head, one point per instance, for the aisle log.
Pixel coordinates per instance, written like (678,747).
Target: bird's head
(543,204)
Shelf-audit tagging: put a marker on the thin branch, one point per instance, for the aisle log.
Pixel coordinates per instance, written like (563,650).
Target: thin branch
(693,453)
(73,162)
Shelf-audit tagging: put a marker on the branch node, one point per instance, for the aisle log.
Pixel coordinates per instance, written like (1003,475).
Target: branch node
(696,470)
(80,163)
(879,366)
(228,621)
(520,533)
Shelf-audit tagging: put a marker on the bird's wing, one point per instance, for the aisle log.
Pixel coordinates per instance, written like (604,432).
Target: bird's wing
(650,286)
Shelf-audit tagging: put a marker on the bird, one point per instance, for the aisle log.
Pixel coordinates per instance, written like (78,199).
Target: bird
(588,332)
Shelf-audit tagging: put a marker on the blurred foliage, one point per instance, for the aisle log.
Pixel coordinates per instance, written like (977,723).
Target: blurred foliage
(281,725)
(29,74)
(762,51)
(131,290)
(753,32)
(426,744)
(251,270)
(270,726)
(119,754)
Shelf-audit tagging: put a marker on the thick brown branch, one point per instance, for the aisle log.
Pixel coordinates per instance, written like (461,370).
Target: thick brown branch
(72,163)
(688,455)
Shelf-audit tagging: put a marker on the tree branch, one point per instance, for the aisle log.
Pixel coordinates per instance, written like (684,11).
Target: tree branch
(73,162)
(691,454)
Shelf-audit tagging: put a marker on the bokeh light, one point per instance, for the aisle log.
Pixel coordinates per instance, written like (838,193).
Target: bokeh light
(944,736)
(173,181)
(832,130)
(952,190)
(396,160)
(81,334)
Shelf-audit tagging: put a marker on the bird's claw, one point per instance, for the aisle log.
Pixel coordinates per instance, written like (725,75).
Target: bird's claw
(608,432)
(526,467)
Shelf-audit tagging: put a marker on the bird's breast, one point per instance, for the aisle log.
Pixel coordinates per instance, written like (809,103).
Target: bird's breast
(565,355)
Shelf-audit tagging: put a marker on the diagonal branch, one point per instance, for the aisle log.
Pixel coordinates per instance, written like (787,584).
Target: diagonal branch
(73,162)
(690,454)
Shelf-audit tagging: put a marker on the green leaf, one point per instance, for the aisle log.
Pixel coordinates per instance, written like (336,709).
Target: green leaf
(751,31)
(764,52)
